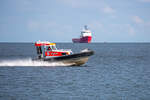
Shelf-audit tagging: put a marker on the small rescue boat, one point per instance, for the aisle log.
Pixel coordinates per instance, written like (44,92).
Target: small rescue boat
(47,51)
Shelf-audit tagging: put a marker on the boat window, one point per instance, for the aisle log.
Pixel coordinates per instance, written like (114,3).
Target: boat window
(39,50)
(49,48)
(54,48)
(63,53)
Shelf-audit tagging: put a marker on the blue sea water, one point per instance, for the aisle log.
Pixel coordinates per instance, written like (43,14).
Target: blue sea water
(117,71)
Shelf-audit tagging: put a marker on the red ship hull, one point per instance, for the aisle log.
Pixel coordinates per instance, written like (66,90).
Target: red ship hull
(86,39)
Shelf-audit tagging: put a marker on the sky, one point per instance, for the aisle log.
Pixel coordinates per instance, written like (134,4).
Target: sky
(62,20)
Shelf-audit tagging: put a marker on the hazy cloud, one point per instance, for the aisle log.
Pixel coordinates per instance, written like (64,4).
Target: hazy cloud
(145,1)
(131,31)
(95,25)
(148,24)
(33,25)
(76,3)
(143,23)
(138,20)
(108,10)
(48,26)
(90,4)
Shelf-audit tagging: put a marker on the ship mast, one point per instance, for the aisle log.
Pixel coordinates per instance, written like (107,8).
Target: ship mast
(85,27)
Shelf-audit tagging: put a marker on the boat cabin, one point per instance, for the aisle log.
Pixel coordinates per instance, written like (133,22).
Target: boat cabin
(47,49)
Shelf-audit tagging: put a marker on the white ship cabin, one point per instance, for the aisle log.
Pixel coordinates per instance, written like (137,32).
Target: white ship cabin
(86,32)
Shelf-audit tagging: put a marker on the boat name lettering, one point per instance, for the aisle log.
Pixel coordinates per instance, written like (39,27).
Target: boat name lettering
(54,53)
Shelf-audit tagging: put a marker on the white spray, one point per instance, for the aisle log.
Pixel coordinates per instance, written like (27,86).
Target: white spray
(29,62)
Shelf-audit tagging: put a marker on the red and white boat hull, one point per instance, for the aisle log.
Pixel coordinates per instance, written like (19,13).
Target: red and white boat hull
(86,39)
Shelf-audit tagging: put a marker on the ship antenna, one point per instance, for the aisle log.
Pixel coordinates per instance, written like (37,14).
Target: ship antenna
(85,27)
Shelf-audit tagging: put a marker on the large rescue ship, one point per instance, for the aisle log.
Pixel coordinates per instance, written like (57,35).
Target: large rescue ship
(85,36)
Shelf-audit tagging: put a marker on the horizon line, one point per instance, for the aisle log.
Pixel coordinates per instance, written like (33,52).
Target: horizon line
(75,43)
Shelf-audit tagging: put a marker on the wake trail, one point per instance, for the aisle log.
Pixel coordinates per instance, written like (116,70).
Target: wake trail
(29,62)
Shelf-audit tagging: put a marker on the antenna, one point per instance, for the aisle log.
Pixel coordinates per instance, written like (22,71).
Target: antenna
(85,27)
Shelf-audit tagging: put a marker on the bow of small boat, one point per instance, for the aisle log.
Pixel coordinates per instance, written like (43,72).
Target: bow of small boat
(78,58)
(76,62)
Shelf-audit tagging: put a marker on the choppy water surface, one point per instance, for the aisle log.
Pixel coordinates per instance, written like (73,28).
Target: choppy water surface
(117,71)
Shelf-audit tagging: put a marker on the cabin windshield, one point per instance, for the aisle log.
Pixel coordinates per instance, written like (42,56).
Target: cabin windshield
(54,47)
(49,48)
